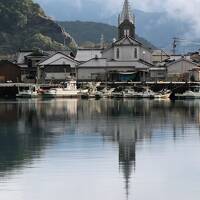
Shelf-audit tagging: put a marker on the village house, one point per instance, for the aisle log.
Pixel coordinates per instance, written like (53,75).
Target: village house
(179,70)
(9,72)
(57,68)
(28,61)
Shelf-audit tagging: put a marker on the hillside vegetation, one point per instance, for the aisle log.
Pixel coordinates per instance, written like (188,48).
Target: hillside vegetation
(90,32)
(24,25)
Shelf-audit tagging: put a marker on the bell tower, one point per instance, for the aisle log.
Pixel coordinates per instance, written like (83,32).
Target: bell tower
(126,26)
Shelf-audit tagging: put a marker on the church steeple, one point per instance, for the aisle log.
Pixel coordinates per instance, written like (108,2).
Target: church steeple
(126,21)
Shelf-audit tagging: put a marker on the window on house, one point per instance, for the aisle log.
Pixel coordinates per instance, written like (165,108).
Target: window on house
(135,53)
(117,53)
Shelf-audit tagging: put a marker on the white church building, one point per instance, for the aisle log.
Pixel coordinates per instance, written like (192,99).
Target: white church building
(125,60)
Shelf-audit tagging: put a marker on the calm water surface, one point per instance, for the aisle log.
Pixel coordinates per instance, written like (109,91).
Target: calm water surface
(99,150)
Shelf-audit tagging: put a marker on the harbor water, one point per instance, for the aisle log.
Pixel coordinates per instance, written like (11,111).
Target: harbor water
(99,149)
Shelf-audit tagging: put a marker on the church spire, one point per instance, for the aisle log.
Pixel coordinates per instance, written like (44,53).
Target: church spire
(127,13)
(126,26)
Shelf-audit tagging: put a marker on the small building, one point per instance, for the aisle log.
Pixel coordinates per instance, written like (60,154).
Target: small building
(9,72)
(57,68)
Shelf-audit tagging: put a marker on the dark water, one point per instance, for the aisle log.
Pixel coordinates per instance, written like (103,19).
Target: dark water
(99,150)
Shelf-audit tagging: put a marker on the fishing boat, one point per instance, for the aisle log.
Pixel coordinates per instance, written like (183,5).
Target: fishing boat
(147,93)
(31,92)
(68,90)
(191,93)
(164,94)
(105,93)
(92,91)
(130,93)
(90,94)
(188,95)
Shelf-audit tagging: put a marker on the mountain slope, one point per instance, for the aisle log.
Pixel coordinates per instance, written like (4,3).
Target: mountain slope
(92,31)
(24,25)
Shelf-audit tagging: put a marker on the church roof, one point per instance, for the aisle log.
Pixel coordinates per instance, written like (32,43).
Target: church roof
(87,54)
(127,13)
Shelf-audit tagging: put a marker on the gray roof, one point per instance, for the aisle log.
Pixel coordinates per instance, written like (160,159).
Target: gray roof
(182,59)
(22,54)
(103,62)
(87,54)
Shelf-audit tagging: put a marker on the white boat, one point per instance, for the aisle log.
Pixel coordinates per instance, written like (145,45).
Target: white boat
(165,94)
(145,94)
(92,91)
(105,93)
(130,93)
(90,94)
(188,95)
(32,92)
(68,90)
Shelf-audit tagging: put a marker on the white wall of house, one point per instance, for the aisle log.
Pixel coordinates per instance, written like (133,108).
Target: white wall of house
(126,53)
(180,67)
(157,74)
(195,74)
(127,49)
(56,76)
(89,73)
(145,54)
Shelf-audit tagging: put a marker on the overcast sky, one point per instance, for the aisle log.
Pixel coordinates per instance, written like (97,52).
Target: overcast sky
(180,9)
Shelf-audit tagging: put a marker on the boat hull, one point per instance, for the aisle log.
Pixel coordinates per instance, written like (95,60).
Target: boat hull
(61,94)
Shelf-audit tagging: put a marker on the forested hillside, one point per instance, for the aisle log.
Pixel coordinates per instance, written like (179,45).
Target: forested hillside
(24,25)
(90,32)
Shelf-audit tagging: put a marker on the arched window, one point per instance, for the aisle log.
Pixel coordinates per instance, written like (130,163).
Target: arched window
(135,53)
(117,54)
(126,32)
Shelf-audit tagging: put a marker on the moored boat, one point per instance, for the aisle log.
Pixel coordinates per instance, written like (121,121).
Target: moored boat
(191,93)
(188,95)
(68,90)
(165,94)
(32,92)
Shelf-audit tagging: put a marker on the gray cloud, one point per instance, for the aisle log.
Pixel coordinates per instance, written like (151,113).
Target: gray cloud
(178,9)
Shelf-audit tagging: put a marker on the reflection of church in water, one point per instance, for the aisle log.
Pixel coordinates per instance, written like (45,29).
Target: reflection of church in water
(127,155)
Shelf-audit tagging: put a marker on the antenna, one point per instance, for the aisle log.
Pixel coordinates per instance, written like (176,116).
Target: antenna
(184,43)
(102,41)
(174,45)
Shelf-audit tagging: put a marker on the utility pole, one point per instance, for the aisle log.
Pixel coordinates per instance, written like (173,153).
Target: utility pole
(102,41)
(174,45)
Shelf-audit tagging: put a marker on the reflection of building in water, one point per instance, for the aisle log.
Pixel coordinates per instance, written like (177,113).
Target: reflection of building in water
(127,155)
(126,122)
